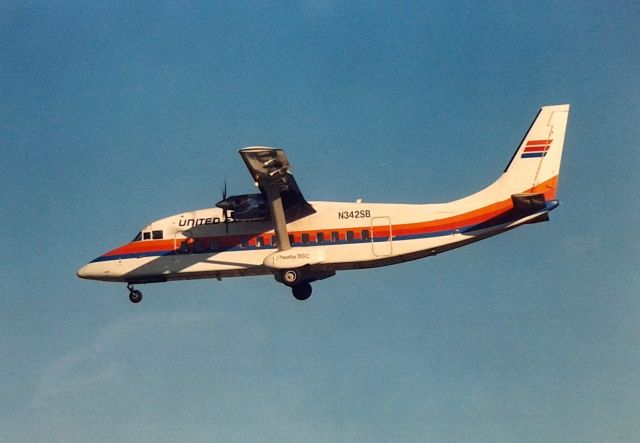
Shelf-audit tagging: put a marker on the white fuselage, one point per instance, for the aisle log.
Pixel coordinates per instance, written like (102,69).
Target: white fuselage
(332,236)
(339,236)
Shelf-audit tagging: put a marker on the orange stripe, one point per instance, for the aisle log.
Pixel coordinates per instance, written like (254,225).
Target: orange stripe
(539,142)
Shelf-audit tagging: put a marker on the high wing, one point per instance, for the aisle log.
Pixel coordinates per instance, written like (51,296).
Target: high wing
(271,172)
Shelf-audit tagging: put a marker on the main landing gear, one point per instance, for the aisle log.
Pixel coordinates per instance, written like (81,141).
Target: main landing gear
(134,295)
(301,291)
(300,288)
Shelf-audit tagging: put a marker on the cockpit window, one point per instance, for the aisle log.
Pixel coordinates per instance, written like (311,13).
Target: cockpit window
(146,235)
(157,235)
(138,237)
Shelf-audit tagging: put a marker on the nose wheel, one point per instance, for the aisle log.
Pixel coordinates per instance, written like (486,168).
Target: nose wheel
(134,295)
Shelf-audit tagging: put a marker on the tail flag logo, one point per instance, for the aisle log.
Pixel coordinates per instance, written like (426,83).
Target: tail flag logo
(536,148)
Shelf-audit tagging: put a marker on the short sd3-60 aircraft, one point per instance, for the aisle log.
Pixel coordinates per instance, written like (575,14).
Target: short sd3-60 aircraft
(278,232)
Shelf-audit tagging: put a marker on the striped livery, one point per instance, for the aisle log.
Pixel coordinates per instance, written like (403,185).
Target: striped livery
(324,237)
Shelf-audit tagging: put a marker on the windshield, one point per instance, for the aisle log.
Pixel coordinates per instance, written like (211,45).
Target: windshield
(138,237)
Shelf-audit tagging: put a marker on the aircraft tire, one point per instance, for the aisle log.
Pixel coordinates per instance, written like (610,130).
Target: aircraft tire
(302,291)
(290,277)
(135,296)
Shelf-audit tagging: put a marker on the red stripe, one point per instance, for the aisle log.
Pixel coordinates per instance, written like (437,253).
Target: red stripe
(536,149)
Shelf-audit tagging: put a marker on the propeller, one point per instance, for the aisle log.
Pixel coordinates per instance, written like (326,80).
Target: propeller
(224,205)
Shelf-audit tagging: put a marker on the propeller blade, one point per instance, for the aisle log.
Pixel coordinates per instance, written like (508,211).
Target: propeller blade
(224,210)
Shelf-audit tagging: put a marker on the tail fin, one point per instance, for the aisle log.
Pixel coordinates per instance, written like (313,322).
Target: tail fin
(536,164)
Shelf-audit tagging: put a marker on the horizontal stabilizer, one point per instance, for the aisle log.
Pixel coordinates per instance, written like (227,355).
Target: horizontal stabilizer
(543,218)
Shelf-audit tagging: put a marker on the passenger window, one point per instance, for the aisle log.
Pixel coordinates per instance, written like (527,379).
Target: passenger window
(260,242)
(320,237)
(274,241)
(335,236)
(364,234)
(245,243)
(197,246)
(213,245)
(157,235)
(349,235)
(146,235)
(184,247)
(291,238)
(305,238)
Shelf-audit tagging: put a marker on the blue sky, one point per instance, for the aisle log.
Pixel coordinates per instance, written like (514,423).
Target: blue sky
(115,115)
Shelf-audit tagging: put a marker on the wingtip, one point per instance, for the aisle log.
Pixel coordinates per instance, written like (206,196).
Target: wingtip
(258,149)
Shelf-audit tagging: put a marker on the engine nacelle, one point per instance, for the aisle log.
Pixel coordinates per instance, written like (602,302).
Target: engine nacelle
(295,258)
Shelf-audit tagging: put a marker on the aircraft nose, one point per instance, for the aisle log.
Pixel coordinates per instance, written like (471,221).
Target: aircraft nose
(85,271)
(100,270)
(95,271)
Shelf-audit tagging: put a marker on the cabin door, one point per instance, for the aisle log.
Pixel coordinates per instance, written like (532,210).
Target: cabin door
(381,235)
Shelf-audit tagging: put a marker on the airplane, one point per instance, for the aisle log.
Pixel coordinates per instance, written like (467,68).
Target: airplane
(278,232)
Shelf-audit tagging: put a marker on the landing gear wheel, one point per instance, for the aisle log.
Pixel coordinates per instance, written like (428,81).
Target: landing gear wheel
(290,277)
(302,291)
(135,296)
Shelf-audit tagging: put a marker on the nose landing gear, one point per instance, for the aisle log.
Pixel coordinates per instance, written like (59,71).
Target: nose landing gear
(134,295)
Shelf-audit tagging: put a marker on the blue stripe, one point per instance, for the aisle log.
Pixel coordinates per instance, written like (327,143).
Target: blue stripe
(533,154)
